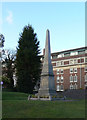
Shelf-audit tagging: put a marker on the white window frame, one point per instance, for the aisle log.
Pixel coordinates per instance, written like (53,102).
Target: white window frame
(75,78)
(71,78)
(62,88)
(62,79)
(62,62)
(85,59)
(57,88)
(71,86)
(75,86)
(58,79)
(59,63)
(75,70)
(71,70)
(75,61)
(61,71)
(85,69)
(71,62)
(60,56)
(58,71)
(73,53)
(86,77)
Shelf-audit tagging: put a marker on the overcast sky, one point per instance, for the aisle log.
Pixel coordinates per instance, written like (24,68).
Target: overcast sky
(65,20)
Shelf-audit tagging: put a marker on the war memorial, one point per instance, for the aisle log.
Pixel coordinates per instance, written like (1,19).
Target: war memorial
(47,89)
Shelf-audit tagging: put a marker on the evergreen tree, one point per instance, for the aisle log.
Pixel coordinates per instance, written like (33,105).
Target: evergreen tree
(28,60)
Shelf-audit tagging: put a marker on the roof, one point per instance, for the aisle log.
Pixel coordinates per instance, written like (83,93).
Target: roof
(71,50)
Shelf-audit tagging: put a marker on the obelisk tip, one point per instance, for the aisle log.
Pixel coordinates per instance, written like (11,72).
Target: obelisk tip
(47,30)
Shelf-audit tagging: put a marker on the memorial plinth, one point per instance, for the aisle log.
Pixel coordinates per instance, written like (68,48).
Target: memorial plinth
(47,83)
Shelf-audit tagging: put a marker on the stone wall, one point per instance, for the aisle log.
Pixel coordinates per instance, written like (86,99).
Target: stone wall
(74,94)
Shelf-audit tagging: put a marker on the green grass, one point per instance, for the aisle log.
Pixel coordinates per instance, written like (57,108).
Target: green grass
(16,105)
(14,96)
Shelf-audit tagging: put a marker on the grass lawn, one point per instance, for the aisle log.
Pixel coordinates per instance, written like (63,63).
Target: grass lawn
(16,105)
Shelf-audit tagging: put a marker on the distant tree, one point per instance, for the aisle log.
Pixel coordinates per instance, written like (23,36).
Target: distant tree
(6,82)
(28,63)
(2,40)
(8,66)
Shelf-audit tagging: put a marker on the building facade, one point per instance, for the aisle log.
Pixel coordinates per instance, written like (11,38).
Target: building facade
(70,69)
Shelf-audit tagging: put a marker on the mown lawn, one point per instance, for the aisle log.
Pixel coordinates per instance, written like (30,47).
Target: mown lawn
(16,105)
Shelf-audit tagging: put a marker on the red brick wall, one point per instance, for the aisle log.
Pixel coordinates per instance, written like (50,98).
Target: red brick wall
(66,75)
(54,64)
(66,79)
(66,62)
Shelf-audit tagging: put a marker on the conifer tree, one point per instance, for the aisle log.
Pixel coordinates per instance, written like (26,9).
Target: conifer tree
(28,60)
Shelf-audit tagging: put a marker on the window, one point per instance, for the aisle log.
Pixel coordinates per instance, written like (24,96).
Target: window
(57,71)
(75,86)
(86,86)
(82,52)
(86,60)
(58,79)
(61,71)
(58,87)
(62,62)
(71,70)
(71,62)
(71,78)
(61,87)
(86,77)
(85,69)
(54,57)
(59,63)
(75,70)
(61,79)
(67,54)
(71,86)
(75,61)
(73,53)
(60,55)
(75,78)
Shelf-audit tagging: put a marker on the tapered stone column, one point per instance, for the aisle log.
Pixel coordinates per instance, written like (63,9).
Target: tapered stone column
(47,84)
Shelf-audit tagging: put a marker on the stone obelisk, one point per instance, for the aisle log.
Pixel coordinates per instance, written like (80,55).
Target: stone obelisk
(47,84)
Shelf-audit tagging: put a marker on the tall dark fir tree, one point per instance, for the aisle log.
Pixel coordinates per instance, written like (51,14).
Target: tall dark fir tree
(28,62)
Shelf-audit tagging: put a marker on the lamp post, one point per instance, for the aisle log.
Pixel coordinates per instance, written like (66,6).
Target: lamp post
(2,39)
(1,83)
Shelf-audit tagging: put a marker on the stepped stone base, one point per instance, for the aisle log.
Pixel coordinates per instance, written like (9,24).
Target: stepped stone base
(47,93)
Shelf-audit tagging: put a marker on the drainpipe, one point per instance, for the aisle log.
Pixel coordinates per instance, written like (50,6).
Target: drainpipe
(80,75)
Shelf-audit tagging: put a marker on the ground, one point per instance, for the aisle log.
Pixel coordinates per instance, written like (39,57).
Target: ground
(16,105)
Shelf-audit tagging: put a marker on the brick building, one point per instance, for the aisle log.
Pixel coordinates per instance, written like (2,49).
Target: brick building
(70,70)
